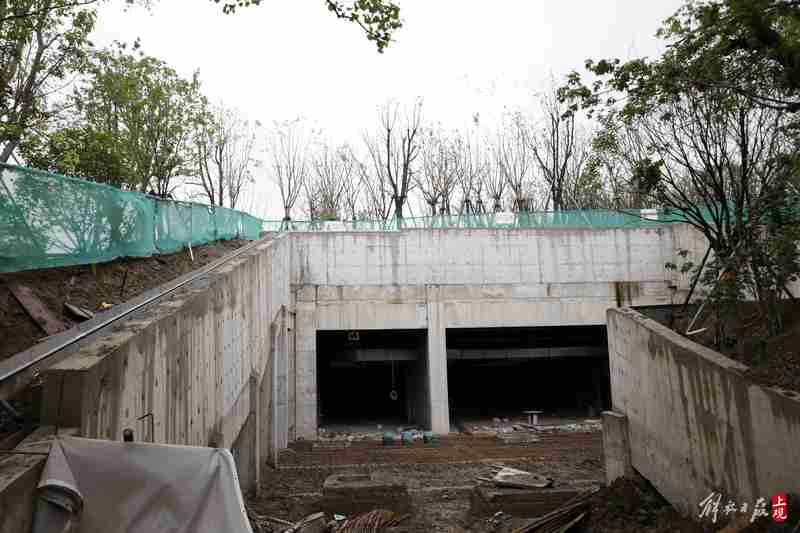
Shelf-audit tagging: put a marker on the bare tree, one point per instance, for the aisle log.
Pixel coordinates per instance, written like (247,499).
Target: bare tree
(438,178)
(560,149)
(493,178)
(393,152)
(289,147)
(223,151)
(353,190)
(325,189)
(514,159)
(470,165)
(378,202)
(583,188)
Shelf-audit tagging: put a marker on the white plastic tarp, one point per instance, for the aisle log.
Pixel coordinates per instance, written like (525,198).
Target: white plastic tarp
(95,485)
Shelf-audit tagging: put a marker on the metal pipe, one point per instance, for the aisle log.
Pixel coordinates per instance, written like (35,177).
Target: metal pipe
(15,452)
(97,327)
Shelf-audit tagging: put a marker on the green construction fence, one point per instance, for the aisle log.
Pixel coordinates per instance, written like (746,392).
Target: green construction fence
(50,220)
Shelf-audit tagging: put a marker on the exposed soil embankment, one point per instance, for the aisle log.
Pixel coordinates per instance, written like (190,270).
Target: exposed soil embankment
(742,336)
(91,287)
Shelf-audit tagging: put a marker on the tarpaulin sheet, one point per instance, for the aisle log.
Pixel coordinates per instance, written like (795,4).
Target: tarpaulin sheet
(95,485)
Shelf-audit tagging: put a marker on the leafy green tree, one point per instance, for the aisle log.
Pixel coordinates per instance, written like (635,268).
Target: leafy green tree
(711,121)
(378,18)
(147,109)
(40,45)
(745,45)
(749,47)
(79,152)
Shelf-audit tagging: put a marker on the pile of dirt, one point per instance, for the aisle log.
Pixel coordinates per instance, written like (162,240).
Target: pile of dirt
(91,286)
(773,360)
(632,505)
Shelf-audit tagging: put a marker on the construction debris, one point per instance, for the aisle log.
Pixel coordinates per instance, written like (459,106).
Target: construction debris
(314,523)
(562,519)
(328,439)
(36,309)
(376,521)
(520,479)
(588,425)
(264,523)
(517,437)
(78,312)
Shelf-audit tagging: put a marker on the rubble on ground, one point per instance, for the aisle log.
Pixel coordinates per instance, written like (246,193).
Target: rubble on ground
(590,424)
(380,434)
(504,476)
(519,432)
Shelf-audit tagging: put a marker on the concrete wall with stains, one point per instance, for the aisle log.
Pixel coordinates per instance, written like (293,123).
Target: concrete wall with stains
(484,256)
(458,278)
(487,278)
(696,423)
(193,368)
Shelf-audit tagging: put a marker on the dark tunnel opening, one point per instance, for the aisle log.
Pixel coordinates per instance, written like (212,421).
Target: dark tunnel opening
(371,377)
(380,377)
(502,372)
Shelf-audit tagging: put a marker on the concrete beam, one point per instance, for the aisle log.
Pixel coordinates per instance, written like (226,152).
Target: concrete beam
(527,353)
(380,354)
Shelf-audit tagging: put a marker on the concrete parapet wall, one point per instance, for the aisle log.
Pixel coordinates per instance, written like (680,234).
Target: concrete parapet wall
(696,424)
(483,256)
(190,369)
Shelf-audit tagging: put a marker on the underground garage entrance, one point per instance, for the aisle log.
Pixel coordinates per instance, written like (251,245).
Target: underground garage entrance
(503,372)
(370,378)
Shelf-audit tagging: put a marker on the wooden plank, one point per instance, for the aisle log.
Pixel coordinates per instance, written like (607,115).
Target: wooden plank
(36,309)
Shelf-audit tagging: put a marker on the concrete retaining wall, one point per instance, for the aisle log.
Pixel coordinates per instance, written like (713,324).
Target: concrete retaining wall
(194,369)
(696,424)
(485,256)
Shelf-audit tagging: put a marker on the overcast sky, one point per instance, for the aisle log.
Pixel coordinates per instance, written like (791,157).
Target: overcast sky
(290,58)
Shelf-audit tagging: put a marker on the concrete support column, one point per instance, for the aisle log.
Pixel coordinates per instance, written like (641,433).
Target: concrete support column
(280,383)
(267,399)
(305,361)
(616,446)
(439,408)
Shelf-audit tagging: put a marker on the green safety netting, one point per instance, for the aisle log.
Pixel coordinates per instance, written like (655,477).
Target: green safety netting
(49,220)
(596,219)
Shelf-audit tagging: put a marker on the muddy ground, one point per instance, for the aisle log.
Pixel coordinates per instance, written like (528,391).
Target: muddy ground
(89,286)
(440,479)
(741,335)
